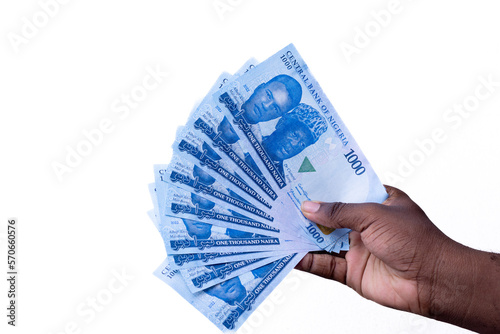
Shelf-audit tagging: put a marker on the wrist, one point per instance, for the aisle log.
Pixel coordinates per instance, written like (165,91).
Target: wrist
(450,283)
(464,288)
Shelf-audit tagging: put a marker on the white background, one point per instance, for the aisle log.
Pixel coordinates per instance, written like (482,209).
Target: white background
(65,78)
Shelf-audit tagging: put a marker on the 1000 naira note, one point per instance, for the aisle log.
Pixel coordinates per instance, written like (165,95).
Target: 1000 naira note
(185,236)
(227,206)
(219,132)
(191,146)
(231,302)
(192,260)
(281,110)
(204,277)
(192,177)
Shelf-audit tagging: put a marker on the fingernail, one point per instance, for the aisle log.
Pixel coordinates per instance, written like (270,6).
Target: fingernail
(310,207)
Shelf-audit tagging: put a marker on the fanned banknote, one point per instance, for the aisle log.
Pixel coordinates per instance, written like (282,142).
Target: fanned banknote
(201,278)
(219,133)
(189,204)
(189,145)
(191,260)
(192,177)
(283,113)
(227,205)
(230,303)
(186,236)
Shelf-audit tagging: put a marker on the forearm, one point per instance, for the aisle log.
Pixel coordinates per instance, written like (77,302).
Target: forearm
(465,290)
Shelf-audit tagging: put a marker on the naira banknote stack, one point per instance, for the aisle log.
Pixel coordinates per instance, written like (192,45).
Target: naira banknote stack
(227,205)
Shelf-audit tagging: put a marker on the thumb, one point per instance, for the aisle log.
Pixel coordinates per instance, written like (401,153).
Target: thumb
(355,216)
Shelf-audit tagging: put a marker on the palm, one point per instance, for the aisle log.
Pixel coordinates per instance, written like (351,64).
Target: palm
(390,282)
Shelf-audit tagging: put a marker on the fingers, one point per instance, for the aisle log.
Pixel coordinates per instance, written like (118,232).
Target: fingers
(396,197)
(341,254)
(324,265)
(356,217)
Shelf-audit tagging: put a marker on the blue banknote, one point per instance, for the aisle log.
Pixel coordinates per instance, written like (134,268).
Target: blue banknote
(296,133)
(202,118)
(289,220)
(229,304)
(249,64)
(191,260)
(202,259)
(201,278)
(214,164)
(190,145)
(186,236)
(227,206)
(189,176)
(220,134)
(177,202)
(181,203)
(344,243)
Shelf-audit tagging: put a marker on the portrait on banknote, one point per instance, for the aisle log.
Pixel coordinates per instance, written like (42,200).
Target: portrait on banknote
(272,99)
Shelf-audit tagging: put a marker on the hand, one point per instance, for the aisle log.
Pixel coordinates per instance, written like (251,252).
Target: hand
(399,258)
(389,245)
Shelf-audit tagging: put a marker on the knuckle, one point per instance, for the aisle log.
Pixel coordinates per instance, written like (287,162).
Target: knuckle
(396,197)
(332,266)
(335,211)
